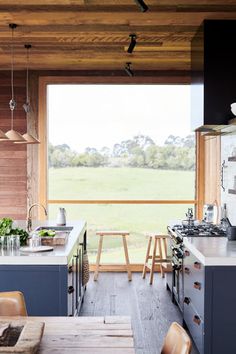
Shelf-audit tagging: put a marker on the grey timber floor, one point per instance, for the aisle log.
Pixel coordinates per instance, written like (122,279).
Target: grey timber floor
(149,306)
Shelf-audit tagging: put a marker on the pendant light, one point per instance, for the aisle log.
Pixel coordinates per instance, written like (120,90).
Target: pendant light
(3,136)
(12,134)
(29,139)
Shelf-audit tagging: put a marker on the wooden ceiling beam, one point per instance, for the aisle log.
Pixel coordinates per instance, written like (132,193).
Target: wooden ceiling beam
(45,18)
(20,3)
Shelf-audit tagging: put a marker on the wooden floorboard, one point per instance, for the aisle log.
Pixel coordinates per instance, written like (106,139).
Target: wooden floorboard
(149,306)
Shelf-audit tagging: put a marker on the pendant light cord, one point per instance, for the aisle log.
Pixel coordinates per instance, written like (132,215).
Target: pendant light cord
(12,76)
(27,75)
(12,66)
(12,102)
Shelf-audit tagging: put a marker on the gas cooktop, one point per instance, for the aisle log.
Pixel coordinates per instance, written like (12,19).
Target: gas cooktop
(201,230)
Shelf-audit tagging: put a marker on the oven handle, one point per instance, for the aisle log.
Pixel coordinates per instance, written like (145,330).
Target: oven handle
(175,266)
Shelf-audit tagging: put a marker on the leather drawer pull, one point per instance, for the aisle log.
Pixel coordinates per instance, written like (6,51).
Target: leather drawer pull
(187,300)
(187,253)
(197,320)
(186,270)
(71,289)
(197,285)
(197,265)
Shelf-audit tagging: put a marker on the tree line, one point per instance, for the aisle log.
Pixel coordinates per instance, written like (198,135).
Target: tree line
(141,151)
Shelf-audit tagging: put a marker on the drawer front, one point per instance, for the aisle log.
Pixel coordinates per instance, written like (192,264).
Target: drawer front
(194,282)
(195,325)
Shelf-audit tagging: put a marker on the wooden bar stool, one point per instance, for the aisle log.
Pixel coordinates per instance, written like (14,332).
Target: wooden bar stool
(159,255)
(112,233)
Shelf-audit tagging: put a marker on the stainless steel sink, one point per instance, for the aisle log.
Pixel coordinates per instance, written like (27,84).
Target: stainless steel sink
(56,228)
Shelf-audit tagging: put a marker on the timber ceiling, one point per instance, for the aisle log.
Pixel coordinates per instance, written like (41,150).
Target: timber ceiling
(94,34)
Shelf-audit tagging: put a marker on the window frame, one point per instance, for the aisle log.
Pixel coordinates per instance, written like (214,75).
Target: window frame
(43,148)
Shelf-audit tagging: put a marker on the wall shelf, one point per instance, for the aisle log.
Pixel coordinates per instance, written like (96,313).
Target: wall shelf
(232,191)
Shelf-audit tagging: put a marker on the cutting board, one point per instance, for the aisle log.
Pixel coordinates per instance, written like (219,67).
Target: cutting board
(36,249)
(60,238)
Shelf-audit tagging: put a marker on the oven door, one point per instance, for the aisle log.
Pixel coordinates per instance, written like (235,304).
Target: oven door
(177,281)
(169,255)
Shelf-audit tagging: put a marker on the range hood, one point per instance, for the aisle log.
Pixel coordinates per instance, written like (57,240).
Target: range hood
(213,81)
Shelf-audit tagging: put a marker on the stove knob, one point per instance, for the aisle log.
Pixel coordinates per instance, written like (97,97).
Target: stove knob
(187,300)
(179,240)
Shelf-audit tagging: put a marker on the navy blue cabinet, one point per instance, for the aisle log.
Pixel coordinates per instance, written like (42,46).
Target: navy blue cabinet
(194,286)
(49,290)
(210,305)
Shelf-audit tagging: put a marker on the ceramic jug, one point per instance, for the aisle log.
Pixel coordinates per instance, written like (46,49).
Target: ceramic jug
(61,217)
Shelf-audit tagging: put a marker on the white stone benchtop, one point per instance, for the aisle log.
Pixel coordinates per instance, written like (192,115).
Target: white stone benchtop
(212,251)
(60,254)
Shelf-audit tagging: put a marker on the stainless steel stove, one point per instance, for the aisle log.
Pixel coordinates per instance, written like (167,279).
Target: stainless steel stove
(201,230)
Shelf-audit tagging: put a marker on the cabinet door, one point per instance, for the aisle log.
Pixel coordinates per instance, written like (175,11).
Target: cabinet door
(71,297)
(194,283)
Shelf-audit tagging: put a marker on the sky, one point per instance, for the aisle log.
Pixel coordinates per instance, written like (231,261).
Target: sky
(102,115)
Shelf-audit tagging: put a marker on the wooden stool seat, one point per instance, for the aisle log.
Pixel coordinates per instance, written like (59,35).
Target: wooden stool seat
(111,233)
(158,256)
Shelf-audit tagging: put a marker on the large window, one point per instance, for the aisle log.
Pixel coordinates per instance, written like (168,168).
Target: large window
(121,157)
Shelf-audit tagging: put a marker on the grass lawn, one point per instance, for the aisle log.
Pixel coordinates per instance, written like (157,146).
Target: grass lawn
(121,183)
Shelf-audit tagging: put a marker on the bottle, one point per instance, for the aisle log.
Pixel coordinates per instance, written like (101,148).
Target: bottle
(61,217)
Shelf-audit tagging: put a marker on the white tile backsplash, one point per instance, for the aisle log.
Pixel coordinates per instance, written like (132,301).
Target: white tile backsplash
(228,148)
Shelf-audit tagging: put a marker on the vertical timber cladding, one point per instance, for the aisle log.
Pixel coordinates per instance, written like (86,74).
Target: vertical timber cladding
(212,169)
(13,157)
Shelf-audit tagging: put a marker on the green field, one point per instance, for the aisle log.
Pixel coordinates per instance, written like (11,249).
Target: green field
(121,183)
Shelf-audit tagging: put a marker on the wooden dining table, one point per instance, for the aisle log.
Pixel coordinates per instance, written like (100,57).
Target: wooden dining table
(84,335)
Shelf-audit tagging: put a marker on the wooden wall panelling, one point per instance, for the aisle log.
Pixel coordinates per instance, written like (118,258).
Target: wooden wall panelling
(32,150)
(13,157)
(212,169)
(200,174)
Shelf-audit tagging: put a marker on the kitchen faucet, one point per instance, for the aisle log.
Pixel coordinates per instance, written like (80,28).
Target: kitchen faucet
(29,218)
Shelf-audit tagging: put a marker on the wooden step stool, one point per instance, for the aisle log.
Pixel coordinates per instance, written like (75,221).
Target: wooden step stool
(112,233)
(159,255)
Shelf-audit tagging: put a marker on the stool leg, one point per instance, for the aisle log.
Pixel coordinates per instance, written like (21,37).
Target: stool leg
(147,257)
(98,258)
(161,257)
(153,261)
(127,257)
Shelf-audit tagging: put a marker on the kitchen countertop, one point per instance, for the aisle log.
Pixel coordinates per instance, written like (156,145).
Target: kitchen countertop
(212,251)
(60,254)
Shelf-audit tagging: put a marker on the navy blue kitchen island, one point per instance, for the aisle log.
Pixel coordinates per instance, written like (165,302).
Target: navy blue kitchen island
(50,281)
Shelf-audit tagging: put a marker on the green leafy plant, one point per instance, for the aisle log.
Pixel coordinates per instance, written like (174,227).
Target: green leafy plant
(6,230)
(45,233)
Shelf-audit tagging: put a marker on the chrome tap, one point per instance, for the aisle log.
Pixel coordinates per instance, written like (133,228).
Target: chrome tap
(29,218)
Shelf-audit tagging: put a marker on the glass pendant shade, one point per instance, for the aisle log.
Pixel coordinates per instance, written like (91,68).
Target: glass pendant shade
(13,135)
(28,138)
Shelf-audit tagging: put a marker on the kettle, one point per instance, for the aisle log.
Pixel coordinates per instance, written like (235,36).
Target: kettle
(61,217)
(210,213)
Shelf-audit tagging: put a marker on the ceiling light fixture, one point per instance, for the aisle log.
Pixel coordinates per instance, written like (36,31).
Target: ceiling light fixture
(12,134)
(29,139)
(128,69)
(132,43)
(143,7)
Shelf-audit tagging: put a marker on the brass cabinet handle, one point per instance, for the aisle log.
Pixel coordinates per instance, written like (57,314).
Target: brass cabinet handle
(197,320)
(197,265)
(187,253)
(197,285)
(186,270)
